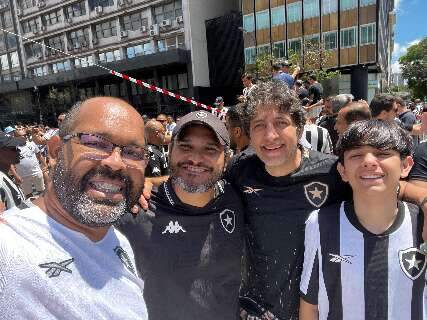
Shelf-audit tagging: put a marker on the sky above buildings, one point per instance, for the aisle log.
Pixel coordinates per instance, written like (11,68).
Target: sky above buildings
(411,26)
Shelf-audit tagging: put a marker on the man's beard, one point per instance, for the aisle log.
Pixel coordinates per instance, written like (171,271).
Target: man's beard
(85,210)
(192,187)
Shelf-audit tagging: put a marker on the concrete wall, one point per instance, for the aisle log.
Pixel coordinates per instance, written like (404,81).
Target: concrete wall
(196,12)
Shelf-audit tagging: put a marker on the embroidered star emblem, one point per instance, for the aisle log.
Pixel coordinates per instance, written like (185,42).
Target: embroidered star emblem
(413,263)
(316,193)
(229,220)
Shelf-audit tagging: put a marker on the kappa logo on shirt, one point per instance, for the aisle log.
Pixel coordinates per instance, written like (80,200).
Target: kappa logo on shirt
(228,220)
(250,190)
(156,170)
(412,262)
(173,227)
(316,193)
(54,269)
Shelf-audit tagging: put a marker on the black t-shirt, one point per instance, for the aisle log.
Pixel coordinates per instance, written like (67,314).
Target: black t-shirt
(407,119)
(302,93)
(157,164)
(276,211)
(419,170)
(316,90)
(328,122)
(189,258)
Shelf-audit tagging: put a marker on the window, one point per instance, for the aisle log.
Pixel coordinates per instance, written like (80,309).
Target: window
(110,56)
(250,55)
(30,25)
(330,40)
(106,29)
(78,38)
(364,3)
(329,6)
(294,12)
(25,4)
(51,18)
(135,51)
(75,10)
(168,11)
(100,3)
(262,20)
(2,41)
(311,8)
(61,66)
(7,18)
(11,41)
(40,71)
(33,49)
(348,37)
(279,49)
(348,4)
(248,23)
(311,41)
(294,46)
(55,42)
(14,60)
(83,62)
(4,62)
(263,49)
(181,41)
(161,45)
(367,34)
(183,81)
(277,16)
(170,43)
(134,21)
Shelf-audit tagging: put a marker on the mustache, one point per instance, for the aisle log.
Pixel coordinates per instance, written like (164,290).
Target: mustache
(108,173)
(192,163)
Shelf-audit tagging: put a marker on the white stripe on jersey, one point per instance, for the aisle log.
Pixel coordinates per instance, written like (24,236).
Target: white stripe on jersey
(351,243)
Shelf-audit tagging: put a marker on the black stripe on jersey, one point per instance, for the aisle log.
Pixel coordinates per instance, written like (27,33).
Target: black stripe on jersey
(376,277)
(330,238)
(319,139)
(417,219)
(313,286)
(308,136)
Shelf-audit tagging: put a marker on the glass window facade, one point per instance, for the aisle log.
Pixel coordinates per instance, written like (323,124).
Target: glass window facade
(348,4)
(294,12)
(168,11)
(279,49)
(330,40)
(106,29)
(52,18)
(134,21)
(278,16)
(249,23)
(294,46)
(262,20)
(110,56)
(329,6)
(75,10)
(348,37)
(250,55)
(311,9)
(364,3)
(83,62)
(367,34)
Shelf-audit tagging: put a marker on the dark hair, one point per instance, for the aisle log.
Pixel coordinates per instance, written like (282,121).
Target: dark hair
(356,111)
(277,66)
(312,77)
(382,135)
(274,93)
(400,101)
(67,124)
(248,76)
(234,115)
(381,102)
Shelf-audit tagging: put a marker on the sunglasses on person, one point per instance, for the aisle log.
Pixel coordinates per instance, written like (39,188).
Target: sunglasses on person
(102,148)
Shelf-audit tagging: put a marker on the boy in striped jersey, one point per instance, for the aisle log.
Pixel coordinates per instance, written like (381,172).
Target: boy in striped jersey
(361,258)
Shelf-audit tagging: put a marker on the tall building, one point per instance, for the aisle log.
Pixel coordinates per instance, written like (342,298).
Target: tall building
(357,33)
(160,42)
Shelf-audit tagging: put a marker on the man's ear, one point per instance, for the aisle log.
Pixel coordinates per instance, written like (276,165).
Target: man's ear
(341,170)
(407,164)
(53,146)
(237,131)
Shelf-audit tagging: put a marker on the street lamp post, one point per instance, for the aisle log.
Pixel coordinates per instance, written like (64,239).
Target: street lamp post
(37,93)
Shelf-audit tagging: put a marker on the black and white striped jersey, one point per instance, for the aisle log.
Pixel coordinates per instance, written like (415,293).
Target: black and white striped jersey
(351,273)
(318,138)
(10,194)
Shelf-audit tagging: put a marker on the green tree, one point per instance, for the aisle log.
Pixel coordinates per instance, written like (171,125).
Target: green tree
(414,68)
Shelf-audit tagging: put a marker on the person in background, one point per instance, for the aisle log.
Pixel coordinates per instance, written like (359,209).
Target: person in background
(351,112)
(247,80)
(219,110)
(155,136)
(239,140)
(170,125)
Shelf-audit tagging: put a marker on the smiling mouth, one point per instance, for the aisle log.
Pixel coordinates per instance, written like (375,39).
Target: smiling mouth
(372,177)
(106,187)
(272,148)
(194,169)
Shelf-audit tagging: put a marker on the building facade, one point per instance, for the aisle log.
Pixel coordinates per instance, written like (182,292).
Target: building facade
(65,49)
(357,33)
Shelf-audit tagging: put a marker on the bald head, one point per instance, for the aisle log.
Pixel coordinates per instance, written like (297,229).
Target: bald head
(108,110)
(154,132)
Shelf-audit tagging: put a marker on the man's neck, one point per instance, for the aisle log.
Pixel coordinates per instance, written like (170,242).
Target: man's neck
(49,203)
(242,144)
(199,199)
(376,212)
(288,167)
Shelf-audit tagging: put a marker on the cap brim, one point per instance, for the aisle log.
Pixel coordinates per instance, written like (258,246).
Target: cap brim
(220,139)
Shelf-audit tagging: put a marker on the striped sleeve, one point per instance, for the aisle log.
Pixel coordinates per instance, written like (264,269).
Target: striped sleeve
(309,286)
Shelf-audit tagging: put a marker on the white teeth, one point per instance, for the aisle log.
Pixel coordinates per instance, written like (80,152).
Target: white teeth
(106,187)
(195,169)
(272,148)
(371,177)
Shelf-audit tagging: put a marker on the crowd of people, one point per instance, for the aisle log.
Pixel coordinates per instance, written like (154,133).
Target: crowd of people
(288,205)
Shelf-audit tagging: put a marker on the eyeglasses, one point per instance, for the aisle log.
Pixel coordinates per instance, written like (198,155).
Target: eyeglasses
(133,156)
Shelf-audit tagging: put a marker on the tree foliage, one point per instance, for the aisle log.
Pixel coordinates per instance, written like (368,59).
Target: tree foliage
(414,68)
(315,60)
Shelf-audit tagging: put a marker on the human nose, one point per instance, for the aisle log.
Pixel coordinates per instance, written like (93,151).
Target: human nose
(114,161)
(369,160)
(271,132)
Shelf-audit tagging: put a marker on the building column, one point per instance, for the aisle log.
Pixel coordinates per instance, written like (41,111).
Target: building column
(359,83)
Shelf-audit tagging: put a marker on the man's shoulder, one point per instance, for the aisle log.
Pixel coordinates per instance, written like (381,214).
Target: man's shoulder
(318,162)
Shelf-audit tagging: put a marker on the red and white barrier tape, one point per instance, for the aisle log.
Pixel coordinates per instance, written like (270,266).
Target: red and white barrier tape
(124,76)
